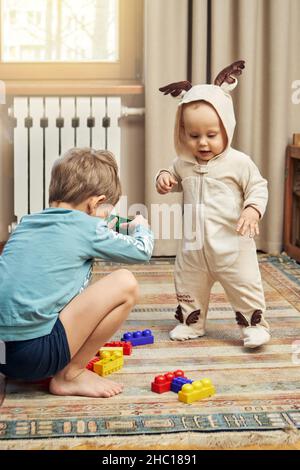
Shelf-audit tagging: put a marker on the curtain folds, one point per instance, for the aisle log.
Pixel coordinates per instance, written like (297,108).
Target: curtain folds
(165,61)
(264,33)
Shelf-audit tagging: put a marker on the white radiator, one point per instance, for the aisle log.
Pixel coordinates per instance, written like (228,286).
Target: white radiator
(45,127)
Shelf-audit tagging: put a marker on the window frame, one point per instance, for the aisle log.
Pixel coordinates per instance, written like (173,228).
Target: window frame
(127,68)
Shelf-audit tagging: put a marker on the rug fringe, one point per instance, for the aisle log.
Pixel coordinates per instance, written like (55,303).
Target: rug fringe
(187,440)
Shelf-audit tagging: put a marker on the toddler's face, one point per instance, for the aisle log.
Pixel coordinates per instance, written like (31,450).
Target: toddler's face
(204,133)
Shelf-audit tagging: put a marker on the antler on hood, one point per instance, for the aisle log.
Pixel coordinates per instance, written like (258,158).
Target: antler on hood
(225,75)
(176,88)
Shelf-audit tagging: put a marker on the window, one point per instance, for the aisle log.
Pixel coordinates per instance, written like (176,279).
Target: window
(67,39)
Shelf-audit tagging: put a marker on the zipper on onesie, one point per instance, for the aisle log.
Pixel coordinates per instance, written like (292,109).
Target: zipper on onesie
(202,170)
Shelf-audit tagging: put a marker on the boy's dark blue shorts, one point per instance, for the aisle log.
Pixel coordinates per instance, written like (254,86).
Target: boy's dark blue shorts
(38,358)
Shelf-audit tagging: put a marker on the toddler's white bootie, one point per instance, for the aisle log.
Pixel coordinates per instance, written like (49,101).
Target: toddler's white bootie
(255,336)
(183,332)
(255,330)
(191,327)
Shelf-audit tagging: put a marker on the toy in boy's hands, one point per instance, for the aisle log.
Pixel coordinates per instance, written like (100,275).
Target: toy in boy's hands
(248,222)
(165,182)
(126,225)
(112,223)
(122,224)
(117,223)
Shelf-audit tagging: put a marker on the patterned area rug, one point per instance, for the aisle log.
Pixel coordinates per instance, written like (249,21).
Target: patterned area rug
(258,392)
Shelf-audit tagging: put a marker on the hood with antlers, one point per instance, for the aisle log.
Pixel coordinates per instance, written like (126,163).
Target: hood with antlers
(216,94)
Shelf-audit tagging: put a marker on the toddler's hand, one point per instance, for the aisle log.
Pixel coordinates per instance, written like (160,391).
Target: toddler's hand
(165,183)
(248,222)
(138,220)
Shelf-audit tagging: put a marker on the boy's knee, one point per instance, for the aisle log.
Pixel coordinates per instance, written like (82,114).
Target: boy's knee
(129,284)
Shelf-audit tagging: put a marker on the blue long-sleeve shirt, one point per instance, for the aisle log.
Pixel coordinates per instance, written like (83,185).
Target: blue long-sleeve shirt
(47,261)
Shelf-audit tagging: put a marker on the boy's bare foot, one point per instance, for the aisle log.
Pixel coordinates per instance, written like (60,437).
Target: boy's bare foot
(85,383)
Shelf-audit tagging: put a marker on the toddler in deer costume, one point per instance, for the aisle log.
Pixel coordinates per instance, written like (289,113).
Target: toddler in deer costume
(225,195)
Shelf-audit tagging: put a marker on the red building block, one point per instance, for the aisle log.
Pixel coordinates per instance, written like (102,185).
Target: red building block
(126,345)
(162,383)
(90,365)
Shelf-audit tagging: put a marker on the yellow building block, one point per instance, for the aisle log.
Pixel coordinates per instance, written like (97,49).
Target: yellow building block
(111,349)
(110,361)
(196,391)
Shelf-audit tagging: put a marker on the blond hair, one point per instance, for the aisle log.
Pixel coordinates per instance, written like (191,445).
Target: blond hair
(84,172)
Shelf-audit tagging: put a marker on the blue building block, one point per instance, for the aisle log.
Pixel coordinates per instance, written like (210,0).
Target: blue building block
(138,338)
(178,382)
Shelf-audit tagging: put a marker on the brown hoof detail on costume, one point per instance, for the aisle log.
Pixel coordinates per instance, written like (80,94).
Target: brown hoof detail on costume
(255,318)
(241,320)
(193,317)
(179,314)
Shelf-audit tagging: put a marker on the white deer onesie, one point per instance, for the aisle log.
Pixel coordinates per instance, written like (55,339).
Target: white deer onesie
(216,194)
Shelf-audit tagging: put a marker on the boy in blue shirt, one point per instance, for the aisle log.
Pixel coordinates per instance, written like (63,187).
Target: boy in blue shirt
(51,322)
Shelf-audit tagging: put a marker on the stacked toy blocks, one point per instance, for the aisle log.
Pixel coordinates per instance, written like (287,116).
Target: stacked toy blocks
(108,348)
(126,345)
(107,361)
(112,350)
(110,361)
(188,391)
(178,383)
(162,383)
(138,338)
(196,391)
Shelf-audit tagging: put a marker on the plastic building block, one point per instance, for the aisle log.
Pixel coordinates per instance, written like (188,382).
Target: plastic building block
(109,349)
(126,345)
(196,391)
(162,383)
(121,220)
(109,362)
(138,338)
(178,382)
(90,365)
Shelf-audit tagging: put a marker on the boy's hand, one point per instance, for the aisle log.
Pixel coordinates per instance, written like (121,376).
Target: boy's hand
(112,223)
(248,222)
(138,220)
(165,183)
